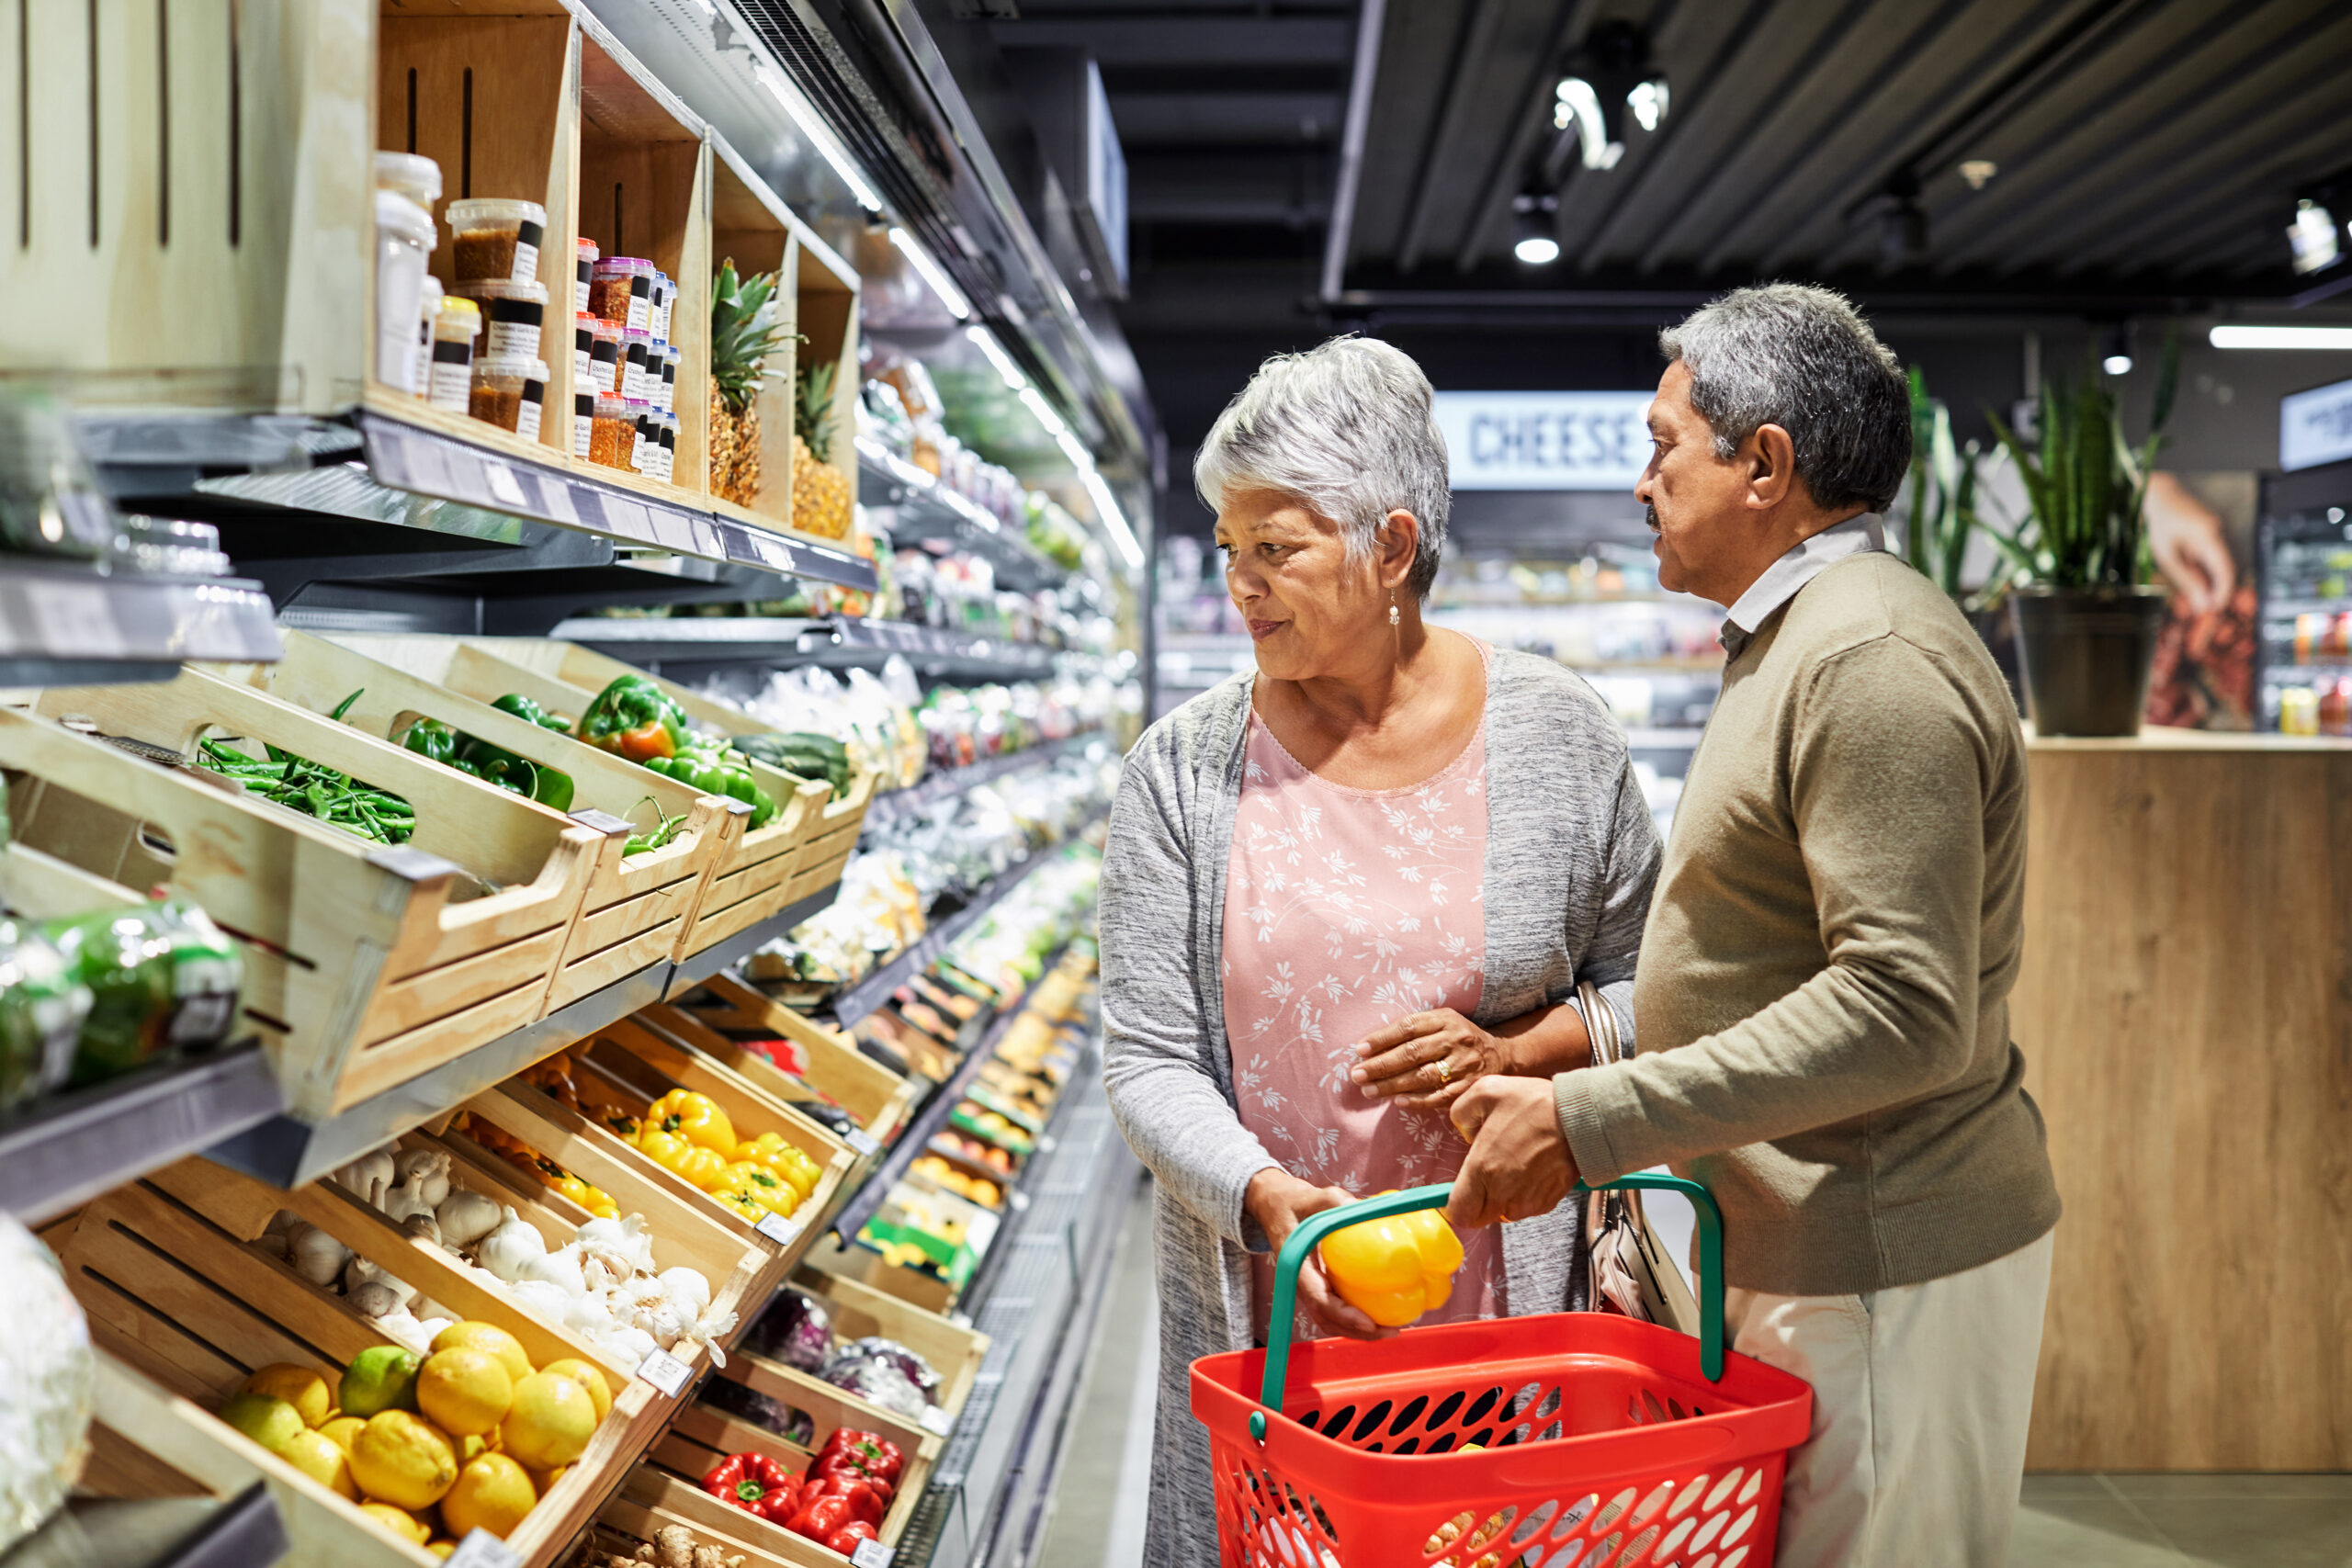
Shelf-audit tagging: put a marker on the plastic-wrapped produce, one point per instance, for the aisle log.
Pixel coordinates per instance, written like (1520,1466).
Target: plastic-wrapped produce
(877,1382)
(794,1329)
(890,1353)
(771,1414)
(48,1384)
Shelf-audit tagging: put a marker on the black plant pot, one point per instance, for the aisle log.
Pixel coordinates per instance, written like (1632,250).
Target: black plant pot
(2085,654)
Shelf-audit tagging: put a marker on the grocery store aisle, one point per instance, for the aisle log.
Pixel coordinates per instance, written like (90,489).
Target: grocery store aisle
(1099,1499)
(2183,1521)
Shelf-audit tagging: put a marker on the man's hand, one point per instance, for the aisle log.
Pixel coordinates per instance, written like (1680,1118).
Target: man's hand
(1278,1201)
(1424,1060)
(1519,1165)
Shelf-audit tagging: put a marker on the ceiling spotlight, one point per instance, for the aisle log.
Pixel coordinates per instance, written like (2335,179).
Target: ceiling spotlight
(1647,100)
(1979,172)
(2312,236)
(1534,219)
(2115,357)
(1581,106)
(1603,77)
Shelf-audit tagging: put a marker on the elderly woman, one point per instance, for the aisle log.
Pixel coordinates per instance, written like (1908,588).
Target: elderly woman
(1340,889)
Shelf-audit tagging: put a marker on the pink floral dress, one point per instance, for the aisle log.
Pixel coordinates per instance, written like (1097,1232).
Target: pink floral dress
(1345,910)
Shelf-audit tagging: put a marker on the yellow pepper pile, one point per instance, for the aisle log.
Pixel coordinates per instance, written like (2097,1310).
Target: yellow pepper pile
(690,1134)
(549,1174)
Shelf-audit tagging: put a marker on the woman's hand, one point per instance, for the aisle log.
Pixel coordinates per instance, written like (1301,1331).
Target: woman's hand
(1278,1201)
(1424,1060)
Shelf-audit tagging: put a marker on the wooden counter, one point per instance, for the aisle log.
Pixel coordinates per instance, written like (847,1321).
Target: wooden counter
(2186,1011)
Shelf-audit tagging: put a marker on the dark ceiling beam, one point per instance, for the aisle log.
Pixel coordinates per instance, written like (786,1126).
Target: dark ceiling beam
(1621,184)
(1286,210)
(2241,244)
(1873,88)
(1533,123)
(1203,119)
(2147,127)
(1477,41)
(2226,213)
(1188,41)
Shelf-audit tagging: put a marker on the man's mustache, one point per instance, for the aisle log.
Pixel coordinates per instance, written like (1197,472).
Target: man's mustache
(1649,515)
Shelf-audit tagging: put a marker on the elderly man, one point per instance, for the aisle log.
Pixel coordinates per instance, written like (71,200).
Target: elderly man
(1822,995)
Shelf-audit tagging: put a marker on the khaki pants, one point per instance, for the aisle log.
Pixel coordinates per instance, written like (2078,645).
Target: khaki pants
(1920,1396)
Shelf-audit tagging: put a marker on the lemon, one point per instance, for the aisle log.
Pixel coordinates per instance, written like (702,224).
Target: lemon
(400,1521)
(441,1548)
(550,1421)
(266,1419)
(491,1494)
(300,1387)
(464,1391)
(544,1481)
(342,1431)
(588,1378)
(486,1337)
(382,1377)
(403,1460)
(317,1456)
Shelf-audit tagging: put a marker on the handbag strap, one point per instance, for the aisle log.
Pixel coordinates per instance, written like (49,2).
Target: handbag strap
(1599,1024)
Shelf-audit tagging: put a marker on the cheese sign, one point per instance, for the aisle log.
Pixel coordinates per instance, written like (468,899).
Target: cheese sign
(1544,440)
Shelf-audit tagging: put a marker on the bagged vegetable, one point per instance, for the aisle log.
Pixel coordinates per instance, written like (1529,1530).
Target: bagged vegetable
(883,1373)
(794,1329)
(41,1010)
(48,1384)
(161,978)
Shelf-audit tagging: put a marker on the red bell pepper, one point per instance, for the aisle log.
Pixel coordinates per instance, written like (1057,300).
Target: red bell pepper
(844,1539)
(841,1466)
(755,1484)
(877,1456)
(821,1515)
(867,1501)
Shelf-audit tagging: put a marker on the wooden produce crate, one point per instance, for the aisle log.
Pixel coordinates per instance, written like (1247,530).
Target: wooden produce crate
(652,1498)
(637,906)
(148,1442)
(754,879)
(164,1270)
(365,966)
(724,1007)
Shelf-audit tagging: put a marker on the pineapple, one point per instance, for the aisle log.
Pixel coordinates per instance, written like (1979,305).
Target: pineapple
(743,334)
(821,502)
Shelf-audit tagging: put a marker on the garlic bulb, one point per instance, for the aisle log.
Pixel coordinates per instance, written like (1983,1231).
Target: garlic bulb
(687,1289)
(466,1217)
(429,1329)
(403,1202)
(425,1173)
(273,1245)
(360,1272)
(544,1301)
(368,1177)
(589,1316)
(627,1346)
(400,1327)
(317,1256)
(623,1239)
(515,1242)
(281,1222)
(559,1267)
(426,1307)
(424,1227)
(372,1299)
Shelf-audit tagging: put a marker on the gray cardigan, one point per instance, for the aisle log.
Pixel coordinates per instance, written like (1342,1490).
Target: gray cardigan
(1571,854)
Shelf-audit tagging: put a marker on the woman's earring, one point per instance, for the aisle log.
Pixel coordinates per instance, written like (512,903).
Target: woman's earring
(1395,615)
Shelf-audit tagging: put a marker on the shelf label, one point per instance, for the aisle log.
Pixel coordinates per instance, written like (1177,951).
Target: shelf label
(554,500)
(779,1229)
(482,1550)
(937,1422)
(628,517)
(504,487)
(74,620)
(665,1372)
(862,1143)
(428,467)
(872,1554)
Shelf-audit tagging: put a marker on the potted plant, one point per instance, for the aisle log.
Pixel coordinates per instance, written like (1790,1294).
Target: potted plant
(2086,623)
(1942,514)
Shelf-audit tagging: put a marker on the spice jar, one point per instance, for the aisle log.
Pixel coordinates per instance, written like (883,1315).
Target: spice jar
(497,239)
(637,413)
(509,391)
(512,315)
(668,461)
(583,424)
(612,436)
(404,238)
(620,288)
(413,174)
(428,310)
(455,327)
(665,292)
(602,373)
(637,348)
(661,376)
(585,254)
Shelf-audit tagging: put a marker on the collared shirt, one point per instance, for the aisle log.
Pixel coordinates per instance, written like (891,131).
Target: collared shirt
(1808,560)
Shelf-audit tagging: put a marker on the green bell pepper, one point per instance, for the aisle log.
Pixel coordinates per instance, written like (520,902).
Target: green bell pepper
(433,740)
(636,718)
(521,706)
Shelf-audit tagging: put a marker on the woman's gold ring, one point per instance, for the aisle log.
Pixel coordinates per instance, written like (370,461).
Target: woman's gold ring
(1444,1072)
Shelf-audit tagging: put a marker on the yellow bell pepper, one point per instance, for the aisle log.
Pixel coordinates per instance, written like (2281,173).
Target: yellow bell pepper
(761,1150)
(742,1203)
(1393,1270)
(798,1169)
(772,1190)
(701,1167)
(696,1118)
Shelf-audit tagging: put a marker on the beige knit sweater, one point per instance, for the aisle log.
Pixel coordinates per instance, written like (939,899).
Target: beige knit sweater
(1822,997)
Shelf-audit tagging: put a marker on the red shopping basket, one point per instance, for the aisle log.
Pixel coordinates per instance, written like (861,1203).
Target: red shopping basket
(1602,1442)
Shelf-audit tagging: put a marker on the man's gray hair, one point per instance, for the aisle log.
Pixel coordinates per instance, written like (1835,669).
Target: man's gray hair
(1347,429)
(1802,358)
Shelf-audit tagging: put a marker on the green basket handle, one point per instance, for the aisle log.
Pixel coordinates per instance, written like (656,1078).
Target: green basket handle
(1313,1229)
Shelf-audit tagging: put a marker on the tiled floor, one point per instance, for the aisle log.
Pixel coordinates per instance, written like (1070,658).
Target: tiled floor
(2183,1521)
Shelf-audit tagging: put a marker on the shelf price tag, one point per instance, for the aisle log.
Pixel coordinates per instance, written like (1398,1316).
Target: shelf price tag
(665,1372)
(937,1422)
(482,1550)
(504,487)
(872,1554)
(863,1143)
(779,1229)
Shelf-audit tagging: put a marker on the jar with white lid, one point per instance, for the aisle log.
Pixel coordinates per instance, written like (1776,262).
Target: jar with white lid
(428,310)
(404,240)
(456,326)
(513,314)
(497,239)
(510,391)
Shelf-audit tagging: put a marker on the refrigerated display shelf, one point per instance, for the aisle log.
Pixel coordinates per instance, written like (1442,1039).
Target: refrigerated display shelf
(58,1155)
(242,1531)
(289,1152)
(899,804)
(834,641)
(927,509)
(65,624)
(856,1001)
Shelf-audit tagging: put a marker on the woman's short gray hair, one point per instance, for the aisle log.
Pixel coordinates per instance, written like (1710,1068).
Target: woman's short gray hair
(1348,429)
(1802,358)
